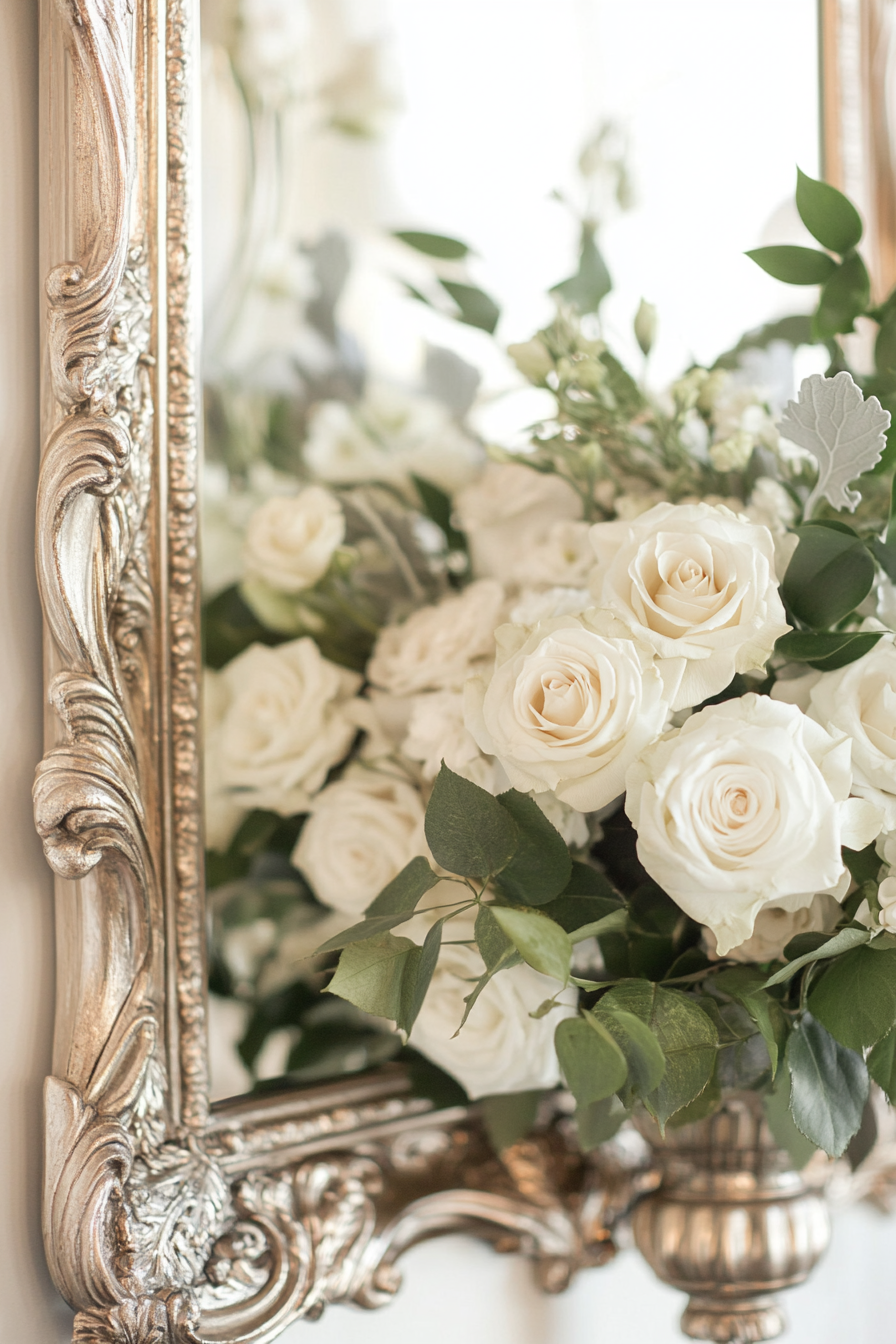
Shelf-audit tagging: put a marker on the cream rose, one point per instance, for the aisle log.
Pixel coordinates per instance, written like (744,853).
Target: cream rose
(501,1048)
(775,926)
(860,701)
(746,805)
(290,541)
(566,710)
(360,833)
(436,647)
(697,583)
(509,514)
(437,733)
(288,721)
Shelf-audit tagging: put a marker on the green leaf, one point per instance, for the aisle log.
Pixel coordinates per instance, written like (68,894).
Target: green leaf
(468,831)
(476,308)
(829,216)
(794,265)
(826,652)
(844,941)
(591,283)
(599,1122)
(780,1122)
(493,943)
(369,974)
(615,922)
(828,1087)
(509,958)
(845,296)
(540,942)
(687,1038)
(437,506)
(592,1063)
(417,977)
(400,896)
(882,1065)
(885,347)
(359,933)
(433,244)
(541,866)
(855,999)
(643,1054)
(829,574)
(744,985)
(795,330)
(509,1116)
(707,1103)
(863,864)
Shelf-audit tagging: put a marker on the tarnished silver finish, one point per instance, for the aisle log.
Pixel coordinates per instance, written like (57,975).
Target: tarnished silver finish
(731,1224)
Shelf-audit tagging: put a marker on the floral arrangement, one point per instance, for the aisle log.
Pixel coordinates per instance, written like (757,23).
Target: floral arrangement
(576,764)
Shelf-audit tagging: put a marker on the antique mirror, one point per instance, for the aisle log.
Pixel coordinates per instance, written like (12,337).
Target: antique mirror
(280,233)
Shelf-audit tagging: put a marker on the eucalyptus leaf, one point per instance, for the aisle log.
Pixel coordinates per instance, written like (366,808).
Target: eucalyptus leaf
(828,1087)
(829,216)
(433,244)
(844,941)
(493,943)
(780,1121)
(643,1053)
(509,1116)
(855,999)
(369,974)
(592,1063)
(541,866)
(829,574)
(417,976)
(882,1065)
(614,922)
(844,298)
(359,933)
(476,309)
(827,652)
(745,985)
(844,432)
(591,284)
(687,1038)
(540,942)
(598,1122)
(794,265)
(468,831)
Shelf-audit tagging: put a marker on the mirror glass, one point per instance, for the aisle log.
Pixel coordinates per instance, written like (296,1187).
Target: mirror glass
(394,191)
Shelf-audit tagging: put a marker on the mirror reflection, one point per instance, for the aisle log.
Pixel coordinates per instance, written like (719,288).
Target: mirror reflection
(394,194)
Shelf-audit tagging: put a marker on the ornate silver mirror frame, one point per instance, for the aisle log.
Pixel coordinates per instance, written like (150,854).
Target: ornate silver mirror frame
(168,1221)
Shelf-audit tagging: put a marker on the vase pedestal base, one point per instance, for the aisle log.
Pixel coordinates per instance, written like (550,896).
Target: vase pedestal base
(746,1321)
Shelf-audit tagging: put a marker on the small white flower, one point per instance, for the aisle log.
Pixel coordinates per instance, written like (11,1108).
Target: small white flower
(734,452)
(509,515)
(437,733)
(697,584)
(361,831)
(501,1048)
(290,540)
(746,806)
(436,647)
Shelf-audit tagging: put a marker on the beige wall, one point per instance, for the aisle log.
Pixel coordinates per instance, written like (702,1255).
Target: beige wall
(455,1288)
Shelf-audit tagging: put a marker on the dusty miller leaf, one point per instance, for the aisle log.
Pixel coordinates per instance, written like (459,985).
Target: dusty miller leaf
(843,431)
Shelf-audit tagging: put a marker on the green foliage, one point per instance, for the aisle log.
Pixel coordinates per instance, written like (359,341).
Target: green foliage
(541,866)
(467,830)
(829,216)
(828,1087)
(592,1063)
(402,894)
(539,941)
(844,297)
(645,1061)
(494,945)
(591,283)
(794,265)
(229,626)
(881,1064)
(509,1116)
(844,941)
(855,999)
(475,308)
(598,1122)
(780,1122)
(687,1038)
(745,986)
(370,974)
(826,652)
(433,244)
(437,507)
(830,573)
(417,976)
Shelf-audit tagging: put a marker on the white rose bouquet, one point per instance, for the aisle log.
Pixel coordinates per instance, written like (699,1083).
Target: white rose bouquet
(589,751)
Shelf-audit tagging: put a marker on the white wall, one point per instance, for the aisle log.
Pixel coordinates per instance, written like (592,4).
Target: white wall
(455,1288)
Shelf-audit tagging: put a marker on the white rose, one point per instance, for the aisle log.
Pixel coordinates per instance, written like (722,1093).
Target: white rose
(508,513)
(561,556)
(746,805)
(566,710)
(775,926)
(697,583)
(501,1048)
(389,436)
(290,541)
(360,833)
(435,648)
(860,700)
(287,723)
(437,732)
(222,810)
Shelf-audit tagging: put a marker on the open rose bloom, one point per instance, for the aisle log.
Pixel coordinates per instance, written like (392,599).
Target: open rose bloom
(583,759)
